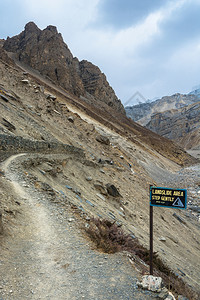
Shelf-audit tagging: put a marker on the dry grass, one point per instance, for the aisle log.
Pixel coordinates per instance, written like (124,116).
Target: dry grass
(110,238)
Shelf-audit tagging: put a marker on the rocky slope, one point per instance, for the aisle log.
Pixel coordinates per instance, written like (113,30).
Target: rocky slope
(45,51)
(74,153)
(142,113)
(175,117)
(180,125)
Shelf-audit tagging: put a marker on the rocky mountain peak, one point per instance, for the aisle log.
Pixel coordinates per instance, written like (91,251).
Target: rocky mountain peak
(45,51)
(52,29)
(31,27)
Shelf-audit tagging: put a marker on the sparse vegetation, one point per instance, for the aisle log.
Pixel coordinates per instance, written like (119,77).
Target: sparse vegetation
(110,238)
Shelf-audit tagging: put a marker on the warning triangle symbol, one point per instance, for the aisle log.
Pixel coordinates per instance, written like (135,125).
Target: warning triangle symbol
(178,203)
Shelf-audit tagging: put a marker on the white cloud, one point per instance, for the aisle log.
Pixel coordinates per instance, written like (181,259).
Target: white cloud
(71,13)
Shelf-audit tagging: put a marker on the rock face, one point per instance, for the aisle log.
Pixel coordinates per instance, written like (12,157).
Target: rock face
(175,117)
(181,125)
(45,51)
(142,113)
(4,56)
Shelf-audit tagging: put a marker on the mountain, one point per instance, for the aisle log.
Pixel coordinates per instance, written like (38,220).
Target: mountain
(196,92)
(45,51)
(181,125)
(175,117)
(142,113)
(65,161)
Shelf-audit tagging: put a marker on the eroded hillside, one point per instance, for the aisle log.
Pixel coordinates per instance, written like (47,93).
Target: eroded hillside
(102,153)
(176,117)
(180,125)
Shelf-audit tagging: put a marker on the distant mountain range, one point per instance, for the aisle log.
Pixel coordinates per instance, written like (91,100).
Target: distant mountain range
(196,92)
(176,117)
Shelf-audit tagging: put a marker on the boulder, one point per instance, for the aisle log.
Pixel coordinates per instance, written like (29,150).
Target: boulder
(103,139)
(112,190)
(151,283)
(51,97)
(70,119)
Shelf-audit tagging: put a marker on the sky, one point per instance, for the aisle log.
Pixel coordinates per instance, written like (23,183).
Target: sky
(147,47)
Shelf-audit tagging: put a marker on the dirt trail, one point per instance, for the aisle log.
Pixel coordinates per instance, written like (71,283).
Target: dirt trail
(46,257)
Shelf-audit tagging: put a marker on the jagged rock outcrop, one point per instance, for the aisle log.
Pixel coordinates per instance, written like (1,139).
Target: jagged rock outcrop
(180,125)
(142,113)
(97,86)
(4,56)
(45,51)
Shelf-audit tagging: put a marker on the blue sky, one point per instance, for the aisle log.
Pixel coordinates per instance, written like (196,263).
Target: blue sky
(150,46)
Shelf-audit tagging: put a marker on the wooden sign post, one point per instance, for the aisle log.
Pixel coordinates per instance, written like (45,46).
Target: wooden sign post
(163,197)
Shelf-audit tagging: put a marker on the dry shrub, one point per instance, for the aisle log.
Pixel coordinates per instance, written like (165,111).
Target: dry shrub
(110,238)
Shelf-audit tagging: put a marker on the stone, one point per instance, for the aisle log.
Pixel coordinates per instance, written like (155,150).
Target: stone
(57,112)
(151,283)
(103,139)
(70,220)
(179,218)
(76,191)
(50,96)
(109,161)
(88,178)
(162,239)
(112,190)
(26,81)
(42,172)
(101,161)
(173,238)
(121,214)
(68,187)
(70,119)
(4,98)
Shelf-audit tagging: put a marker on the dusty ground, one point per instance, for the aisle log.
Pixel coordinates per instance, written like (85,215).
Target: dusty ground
(47,187)
(44,255)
